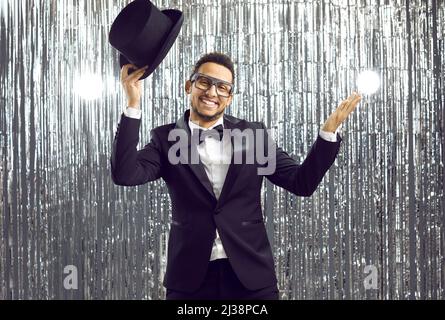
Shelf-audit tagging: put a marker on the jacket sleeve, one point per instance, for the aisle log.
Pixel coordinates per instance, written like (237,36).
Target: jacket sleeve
(130,167)
(303,179)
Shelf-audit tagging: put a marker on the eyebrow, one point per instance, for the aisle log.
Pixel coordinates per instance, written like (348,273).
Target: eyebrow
(213,78)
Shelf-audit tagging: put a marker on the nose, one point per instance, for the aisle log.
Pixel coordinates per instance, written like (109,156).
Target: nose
(212,91)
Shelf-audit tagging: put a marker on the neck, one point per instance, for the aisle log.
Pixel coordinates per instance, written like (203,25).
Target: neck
(202,121)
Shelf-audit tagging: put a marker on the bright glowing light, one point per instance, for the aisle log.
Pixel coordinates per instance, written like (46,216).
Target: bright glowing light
(368,82)
(112,84)
(88,86)
(3,6)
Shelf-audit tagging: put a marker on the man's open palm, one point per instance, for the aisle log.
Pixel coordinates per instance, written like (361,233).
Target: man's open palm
(342,112)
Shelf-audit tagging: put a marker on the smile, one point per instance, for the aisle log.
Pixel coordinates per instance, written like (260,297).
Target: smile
(209,102)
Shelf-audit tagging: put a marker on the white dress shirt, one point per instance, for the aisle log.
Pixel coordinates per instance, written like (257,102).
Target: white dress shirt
(215,156)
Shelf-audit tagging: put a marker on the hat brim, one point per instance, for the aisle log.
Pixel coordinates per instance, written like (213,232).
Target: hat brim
(177,18)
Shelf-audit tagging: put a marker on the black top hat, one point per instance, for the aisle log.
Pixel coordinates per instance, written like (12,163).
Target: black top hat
(143,34)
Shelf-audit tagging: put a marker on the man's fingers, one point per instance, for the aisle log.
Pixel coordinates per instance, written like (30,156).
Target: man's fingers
(137,71)
(343,104)
(350,102)
(134,76)
(356,99)
(124,69)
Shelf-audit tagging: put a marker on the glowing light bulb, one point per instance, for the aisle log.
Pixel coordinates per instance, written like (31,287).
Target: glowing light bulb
(368,82)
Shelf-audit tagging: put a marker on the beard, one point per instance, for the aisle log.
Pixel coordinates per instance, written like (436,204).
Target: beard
(207,117)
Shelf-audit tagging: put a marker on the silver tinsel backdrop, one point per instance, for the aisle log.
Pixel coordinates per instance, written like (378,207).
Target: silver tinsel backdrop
(380,207)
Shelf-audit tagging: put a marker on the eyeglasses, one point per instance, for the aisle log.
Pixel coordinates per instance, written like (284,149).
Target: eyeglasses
(204,82)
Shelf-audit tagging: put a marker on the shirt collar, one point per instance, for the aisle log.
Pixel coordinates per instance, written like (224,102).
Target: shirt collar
(193,125)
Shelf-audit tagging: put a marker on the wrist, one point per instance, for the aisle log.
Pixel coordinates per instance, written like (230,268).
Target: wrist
(134,104)
(329,129)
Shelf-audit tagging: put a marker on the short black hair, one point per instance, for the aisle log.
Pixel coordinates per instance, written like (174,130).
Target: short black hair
(215,57)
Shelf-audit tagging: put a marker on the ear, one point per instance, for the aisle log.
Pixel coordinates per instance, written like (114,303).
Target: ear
(188,86)
(230,100)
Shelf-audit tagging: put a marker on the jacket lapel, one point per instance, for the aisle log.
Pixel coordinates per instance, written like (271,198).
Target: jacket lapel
(234,169)
(198,168)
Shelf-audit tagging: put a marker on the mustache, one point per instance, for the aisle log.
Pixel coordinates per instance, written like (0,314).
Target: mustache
(207,117)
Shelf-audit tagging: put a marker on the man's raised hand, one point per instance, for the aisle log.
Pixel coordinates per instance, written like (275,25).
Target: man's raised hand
(342,112)
(131,84)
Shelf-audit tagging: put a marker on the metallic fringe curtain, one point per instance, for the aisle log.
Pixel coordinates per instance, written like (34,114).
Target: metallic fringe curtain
(379,210)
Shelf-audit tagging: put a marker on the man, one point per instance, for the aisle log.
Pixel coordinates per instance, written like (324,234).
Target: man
(218,246)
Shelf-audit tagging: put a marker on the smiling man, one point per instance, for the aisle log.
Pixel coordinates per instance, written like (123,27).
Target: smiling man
(218,246)
(210,88)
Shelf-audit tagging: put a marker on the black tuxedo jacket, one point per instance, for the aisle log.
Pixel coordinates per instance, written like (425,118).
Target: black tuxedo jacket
(196,213)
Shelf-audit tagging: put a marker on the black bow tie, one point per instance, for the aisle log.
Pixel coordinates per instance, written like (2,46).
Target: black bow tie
(203,133)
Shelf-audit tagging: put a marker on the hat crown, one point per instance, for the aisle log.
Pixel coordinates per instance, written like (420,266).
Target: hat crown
(138,17)
(143,34)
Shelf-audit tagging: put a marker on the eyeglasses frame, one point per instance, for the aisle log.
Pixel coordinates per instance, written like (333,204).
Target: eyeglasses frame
(214,81)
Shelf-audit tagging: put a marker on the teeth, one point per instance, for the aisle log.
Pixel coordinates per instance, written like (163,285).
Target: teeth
(208,102)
